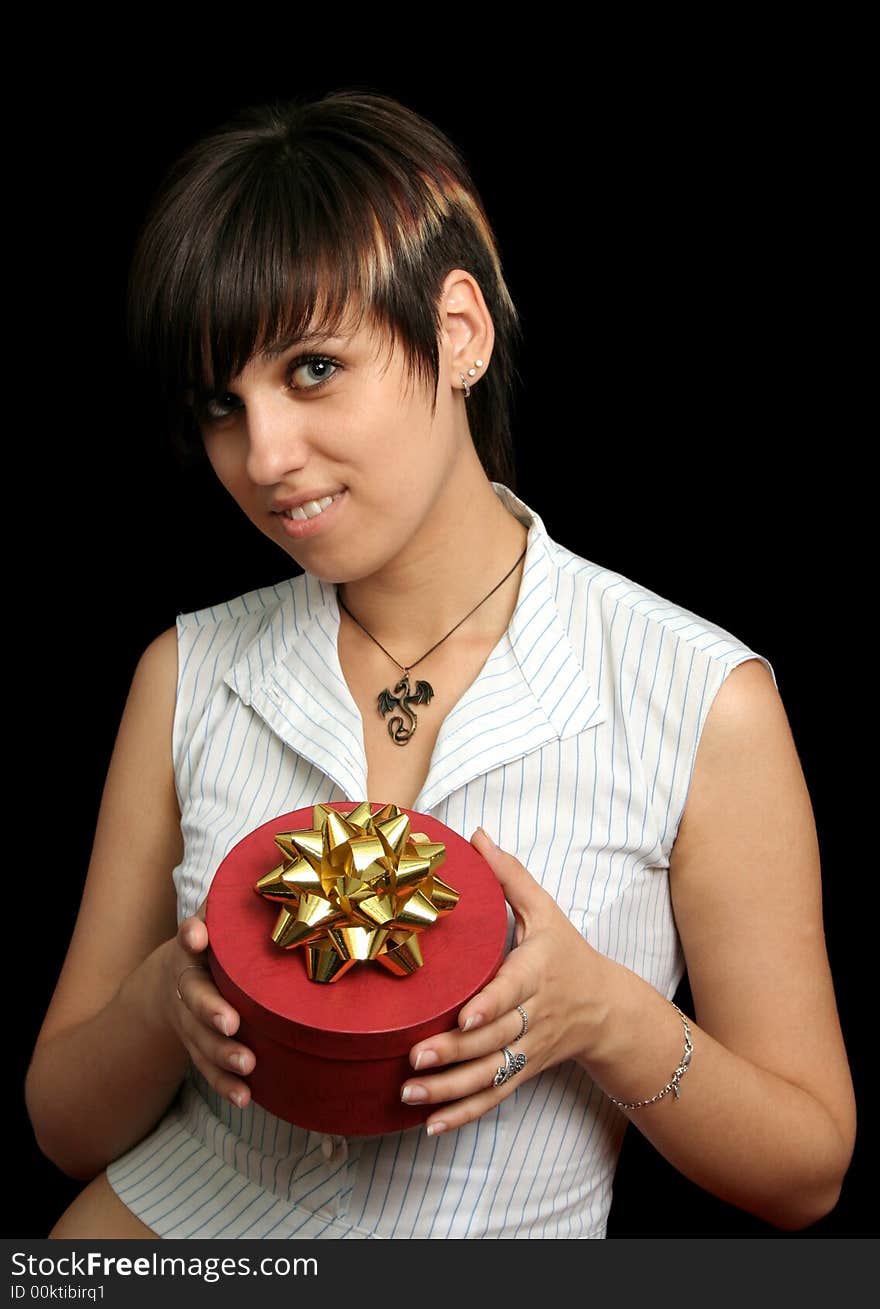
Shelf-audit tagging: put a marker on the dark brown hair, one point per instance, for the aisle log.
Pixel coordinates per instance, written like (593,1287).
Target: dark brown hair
(296,215)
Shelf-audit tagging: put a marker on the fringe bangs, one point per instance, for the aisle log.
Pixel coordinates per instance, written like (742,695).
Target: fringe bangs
(311,219)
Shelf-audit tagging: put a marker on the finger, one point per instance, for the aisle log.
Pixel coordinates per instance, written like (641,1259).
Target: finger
(203,1000)
(454,1083)
(522,892)
(464,1093)
(458,1047)
(192,935)
(493,1001)
(220,1053)
(231,1088)
(517,981)
(211,1054)
(449,1117)
(193,931)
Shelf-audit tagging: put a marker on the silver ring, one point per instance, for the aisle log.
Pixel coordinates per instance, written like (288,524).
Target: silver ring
(186,970)
(513,1064)
(525,1024)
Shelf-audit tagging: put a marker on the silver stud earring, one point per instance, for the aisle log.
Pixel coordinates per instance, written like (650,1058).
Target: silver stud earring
(472,372)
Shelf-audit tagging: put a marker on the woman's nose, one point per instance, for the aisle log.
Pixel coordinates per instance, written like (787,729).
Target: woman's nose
(277,441)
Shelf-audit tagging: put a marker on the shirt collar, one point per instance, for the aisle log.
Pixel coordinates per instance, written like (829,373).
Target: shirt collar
(532,689)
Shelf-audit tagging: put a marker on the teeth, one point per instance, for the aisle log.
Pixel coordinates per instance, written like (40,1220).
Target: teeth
(310,509)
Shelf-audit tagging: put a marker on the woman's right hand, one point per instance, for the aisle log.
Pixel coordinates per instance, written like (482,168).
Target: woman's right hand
(203,1012)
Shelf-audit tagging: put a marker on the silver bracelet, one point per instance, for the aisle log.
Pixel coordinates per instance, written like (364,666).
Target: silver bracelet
(679,1073)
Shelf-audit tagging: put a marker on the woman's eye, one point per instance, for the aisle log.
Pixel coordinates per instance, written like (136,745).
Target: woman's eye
(214,407)
(315,370)
(309,371)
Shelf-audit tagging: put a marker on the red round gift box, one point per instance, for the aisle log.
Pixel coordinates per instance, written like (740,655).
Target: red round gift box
(332,1057)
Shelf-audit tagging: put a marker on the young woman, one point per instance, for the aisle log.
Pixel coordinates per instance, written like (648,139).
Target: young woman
(318,296)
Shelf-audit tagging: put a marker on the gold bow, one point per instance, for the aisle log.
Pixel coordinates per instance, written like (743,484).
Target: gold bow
(357,887)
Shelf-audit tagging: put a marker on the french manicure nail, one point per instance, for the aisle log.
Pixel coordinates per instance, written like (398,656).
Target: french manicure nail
(237,1098)
(434,1129)
(413,1094)
(221,1024)
(426,1059)
(473,1021)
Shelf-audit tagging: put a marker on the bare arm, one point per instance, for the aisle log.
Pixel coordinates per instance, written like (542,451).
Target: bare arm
(112,1049)
(766,1114)
(769,1116)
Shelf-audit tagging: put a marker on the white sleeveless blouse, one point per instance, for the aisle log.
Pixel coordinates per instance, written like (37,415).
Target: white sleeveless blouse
(574,749)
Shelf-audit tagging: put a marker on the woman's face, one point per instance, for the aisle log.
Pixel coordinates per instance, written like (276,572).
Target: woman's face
(334,419)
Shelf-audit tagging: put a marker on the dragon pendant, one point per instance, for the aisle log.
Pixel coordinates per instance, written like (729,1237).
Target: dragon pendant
(401,698)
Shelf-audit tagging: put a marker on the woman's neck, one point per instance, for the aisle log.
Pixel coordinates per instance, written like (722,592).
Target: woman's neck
(465,550)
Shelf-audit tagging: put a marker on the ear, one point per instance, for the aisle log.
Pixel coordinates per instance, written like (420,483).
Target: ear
(467,331)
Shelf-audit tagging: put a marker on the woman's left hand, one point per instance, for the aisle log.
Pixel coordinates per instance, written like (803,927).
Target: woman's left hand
(561,982)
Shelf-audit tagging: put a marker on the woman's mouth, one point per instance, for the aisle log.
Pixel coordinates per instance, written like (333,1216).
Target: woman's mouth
(310,509)
(311,517)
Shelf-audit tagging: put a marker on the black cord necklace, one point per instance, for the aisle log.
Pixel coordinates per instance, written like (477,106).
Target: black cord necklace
(403,697)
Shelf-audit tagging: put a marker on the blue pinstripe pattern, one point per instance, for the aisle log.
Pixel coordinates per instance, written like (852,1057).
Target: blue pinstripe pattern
(574,747)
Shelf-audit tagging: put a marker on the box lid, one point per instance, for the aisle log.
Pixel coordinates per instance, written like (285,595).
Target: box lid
(368,1013)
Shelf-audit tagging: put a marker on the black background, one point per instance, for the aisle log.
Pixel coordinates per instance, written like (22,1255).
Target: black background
(682,240)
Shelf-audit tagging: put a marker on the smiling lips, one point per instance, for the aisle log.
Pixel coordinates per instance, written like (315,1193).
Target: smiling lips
(306,509)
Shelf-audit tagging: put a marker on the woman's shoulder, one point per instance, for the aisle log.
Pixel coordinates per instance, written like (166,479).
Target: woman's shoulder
(234,642)
(254,607)
(629,614)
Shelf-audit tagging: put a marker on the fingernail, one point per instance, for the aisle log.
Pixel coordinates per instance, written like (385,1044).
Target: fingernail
(241,1061)
(189,938)
(434,1129)
(487,836)
(413,1094)
(474,1021)
(221,1024)
(426,1059)
(238,1098)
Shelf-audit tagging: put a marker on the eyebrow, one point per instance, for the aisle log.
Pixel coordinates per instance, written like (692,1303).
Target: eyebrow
(272,353)
(318,338)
